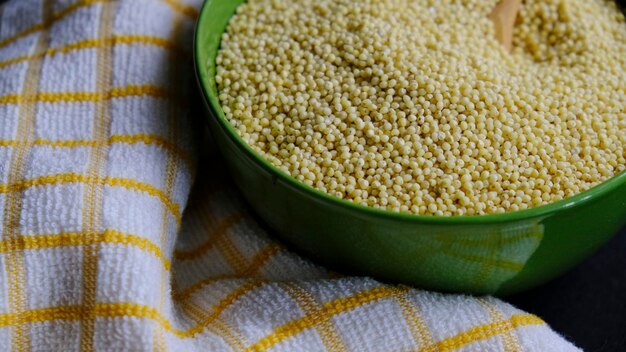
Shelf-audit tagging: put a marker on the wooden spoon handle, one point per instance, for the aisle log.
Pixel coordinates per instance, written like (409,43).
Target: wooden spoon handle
(503,17)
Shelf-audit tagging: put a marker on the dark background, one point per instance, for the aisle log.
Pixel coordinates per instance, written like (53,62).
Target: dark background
(588,304)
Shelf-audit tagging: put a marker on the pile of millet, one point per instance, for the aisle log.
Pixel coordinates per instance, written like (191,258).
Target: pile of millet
(413,106)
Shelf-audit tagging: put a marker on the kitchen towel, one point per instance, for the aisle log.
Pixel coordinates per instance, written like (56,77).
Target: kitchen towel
(104,244)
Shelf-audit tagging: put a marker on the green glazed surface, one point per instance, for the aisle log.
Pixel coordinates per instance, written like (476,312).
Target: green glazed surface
(499,254)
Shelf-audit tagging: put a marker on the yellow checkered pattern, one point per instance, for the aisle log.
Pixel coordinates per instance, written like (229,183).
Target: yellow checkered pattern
(97,160)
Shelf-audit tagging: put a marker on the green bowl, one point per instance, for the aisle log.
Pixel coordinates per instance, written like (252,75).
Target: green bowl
(499,254)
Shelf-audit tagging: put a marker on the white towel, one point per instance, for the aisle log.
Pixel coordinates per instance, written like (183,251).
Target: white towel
(96,167)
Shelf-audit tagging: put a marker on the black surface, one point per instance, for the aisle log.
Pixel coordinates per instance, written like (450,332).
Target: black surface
(588,304)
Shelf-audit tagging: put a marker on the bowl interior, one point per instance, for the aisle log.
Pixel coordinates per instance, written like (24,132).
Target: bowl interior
(212,23)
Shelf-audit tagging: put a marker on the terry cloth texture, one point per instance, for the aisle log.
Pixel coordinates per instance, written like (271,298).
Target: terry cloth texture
(96,167)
